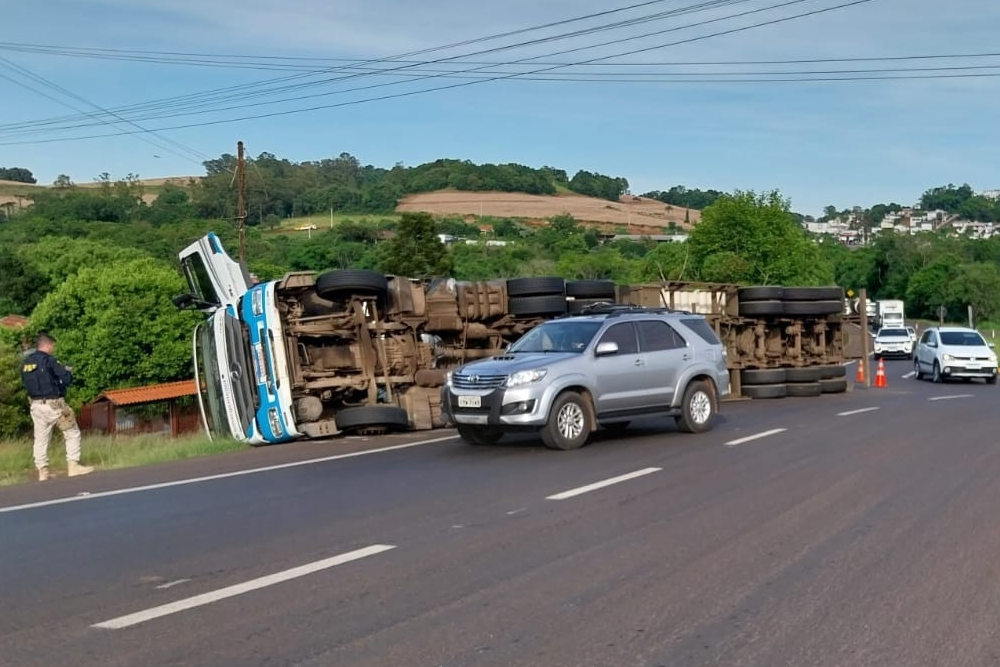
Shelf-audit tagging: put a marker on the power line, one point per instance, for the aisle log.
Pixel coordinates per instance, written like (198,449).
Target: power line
(191,108)
(490,78)
(195,101)
(12,66)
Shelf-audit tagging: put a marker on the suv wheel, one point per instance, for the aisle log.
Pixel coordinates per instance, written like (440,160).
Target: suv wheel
(569,422)
(697,409)
(478,435)
(936,373)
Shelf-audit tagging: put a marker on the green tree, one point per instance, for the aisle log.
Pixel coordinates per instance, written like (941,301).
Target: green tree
(118,327)
(666,261)
(18,174)
(753,239)
(173,204)
(14,419)
(56,258)
(415,250)
(21,285)
(977,285)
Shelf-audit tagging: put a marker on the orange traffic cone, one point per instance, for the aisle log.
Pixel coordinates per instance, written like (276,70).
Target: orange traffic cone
(860,377)
(880,376)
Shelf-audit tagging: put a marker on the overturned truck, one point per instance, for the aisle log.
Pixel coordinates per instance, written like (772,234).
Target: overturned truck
(315,355)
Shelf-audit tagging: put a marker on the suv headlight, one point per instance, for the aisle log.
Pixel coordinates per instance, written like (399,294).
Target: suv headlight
(526,377)
(447,379)
(948,357)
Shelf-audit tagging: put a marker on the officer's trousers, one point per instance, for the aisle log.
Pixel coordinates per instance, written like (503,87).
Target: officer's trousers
(47,415)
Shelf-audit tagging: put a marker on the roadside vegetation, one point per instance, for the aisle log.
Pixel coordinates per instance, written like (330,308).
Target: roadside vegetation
(106,453)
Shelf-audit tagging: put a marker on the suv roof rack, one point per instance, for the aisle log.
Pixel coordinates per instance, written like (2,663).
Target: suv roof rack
(616,310)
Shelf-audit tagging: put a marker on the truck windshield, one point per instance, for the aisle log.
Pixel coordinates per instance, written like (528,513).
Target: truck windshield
(206,367)
(198,279)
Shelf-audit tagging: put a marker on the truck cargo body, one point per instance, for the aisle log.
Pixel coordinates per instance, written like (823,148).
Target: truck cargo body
(890,313)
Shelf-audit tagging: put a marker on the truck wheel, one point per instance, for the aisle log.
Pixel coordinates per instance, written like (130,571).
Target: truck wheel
(591,289)
(762,308)
(765,391)
(536,286)
(569,422)
(803,389)
(697,409)
(552,304)
(833,385)
(803,374)
(832,371)
(766,293)
(815,294)
(372,416)
(762,376)
(334,285)
(813,307)
(478,435)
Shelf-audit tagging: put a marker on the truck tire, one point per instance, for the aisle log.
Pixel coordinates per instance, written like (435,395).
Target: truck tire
(804,374)
(762,308)
(697,409)
(813,307)
(372,416)
(591,289)
(832,371)
(765,391)
(479,435)
(551,304)
(536,286)
(815,294)
(334,285)
(833,385)
(580,305)
(758,376)
(569,421)
(803,389)
(766,293)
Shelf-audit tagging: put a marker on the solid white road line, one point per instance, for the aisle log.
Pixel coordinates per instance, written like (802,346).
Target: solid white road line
(600,485)
(758,436)
(908,375)
(225,475)
(240,589)
(856,412)
(948,398)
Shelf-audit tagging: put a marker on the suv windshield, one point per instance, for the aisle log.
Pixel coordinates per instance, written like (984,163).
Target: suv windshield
(971,338)
(562,336)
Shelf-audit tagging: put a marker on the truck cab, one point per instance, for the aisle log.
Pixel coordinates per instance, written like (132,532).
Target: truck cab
(238,351)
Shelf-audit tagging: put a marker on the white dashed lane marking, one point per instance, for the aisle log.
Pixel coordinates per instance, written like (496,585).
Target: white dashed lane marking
(757,436)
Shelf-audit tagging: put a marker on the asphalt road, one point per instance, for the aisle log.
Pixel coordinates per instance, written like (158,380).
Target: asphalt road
(860,539)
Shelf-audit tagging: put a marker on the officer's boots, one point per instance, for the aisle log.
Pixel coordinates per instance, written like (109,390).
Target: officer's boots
(43,474)
(76,469)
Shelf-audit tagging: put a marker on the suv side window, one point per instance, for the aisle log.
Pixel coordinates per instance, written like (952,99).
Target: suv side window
(657,335)
(622,333)
(926,338)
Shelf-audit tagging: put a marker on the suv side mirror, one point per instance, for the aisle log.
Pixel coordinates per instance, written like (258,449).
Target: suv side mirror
(992,345)
(606,348)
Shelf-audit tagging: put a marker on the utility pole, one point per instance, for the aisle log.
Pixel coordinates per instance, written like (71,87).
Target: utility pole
(241,200)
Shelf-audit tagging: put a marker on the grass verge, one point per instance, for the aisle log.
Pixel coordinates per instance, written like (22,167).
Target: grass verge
(106,453)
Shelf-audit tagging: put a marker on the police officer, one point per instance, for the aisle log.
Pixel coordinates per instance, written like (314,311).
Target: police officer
(46,381)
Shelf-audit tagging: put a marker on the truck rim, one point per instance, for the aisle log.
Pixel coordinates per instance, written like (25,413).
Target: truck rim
(570,421)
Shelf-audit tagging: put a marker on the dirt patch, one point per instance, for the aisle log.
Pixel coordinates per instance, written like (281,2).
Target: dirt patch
(639,214)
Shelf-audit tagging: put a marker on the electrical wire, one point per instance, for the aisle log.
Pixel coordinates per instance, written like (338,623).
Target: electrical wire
(493,78)
(195,108)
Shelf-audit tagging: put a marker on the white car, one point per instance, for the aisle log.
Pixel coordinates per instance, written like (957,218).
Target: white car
(954,352)
(913,333)
(894,342)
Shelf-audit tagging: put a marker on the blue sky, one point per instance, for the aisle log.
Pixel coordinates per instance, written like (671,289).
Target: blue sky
(845,143)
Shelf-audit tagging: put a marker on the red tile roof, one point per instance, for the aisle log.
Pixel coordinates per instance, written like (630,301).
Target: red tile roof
(13,322)
(149,394)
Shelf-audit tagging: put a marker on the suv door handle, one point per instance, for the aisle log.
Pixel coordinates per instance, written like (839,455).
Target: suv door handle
(638,362)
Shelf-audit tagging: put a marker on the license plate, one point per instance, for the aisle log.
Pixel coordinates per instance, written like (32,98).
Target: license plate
(470,401)
(972,368)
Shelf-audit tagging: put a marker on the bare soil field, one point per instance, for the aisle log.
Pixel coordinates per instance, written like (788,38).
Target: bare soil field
(639,214)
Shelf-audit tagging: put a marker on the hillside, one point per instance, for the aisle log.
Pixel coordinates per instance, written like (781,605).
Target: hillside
(16,193)
(639,214)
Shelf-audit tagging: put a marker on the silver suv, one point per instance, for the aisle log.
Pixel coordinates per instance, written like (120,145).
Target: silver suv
(572,375)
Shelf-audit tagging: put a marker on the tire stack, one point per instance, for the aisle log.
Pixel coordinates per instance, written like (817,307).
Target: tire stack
(804,381)
(534,297)
(790,302)
(584,294)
